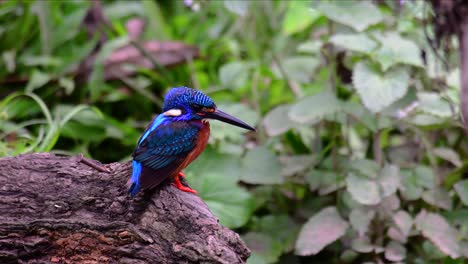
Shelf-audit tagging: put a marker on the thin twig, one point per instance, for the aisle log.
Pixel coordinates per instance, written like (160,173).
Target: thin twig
(377,148)
(292,85)
(91,164)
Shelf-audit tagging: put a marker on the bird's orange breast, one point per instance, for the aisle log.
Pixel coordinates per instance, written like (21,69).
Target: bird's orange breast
(200,145)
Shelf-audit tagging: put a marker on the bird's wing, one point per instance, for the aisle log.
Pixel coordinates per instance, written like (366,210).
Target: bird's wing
(162,150)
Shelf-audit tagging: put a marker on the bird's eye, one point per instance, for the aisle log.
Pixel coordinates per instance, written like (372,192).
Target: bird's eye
(208,109)
(196,107)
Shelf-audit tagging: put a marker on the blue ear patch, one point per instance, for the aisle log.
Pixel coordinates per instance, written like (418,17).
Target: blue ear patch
(135,180)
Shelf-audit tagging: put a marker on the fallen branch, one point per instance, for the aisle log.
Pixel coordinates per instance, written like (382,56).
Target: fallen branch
(58,209)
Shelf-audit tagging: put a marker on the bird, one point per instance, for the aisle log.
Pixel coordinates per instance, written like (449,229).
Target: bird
(175,138)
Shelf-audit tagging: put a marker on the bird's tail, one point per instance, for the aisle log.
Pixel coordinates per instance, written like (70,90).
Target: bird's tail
(135,180)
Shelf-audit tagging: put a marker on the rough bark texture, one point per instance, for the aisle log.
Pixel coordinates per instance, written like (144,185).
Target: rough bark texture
(60,210)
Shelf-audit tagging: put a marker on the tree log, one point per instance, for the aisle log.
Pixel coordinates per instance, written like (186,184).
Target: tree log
(56,209)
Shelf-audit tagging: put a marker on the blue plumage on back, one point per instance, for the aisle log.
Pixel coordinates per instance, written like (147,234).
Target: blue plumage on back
(175,138)
(167,140)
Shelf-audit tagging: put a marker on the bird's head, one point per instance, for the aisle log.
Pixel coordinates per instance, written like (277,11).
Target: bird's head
(186,104)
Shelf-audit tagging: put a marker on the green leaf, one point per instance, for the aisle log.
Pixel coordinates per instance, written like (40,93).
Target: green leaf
(157,27)
(363,190)
(37,80)
(362,244)
(221,131)
(438,197)
(264,249)
(379,90)
(435,228)
(403,221)
(239,7)
(354,42)
(277,121)
(432,103)
(389,180)
(410,189)
(97,76)
(260,166)
(292,165)
(68,84)
(326,181)
(360,219)
(356,14)
(311,47)
(448,154)
(234,75)
(453,79)
(9,59)
(213,162)
(461,188)
(68,28)
(365,167)
(232,204)
(279,227)
(427,120)
(424,176)
(299,16)
(394,251)
(313,108)
(298,68)
(319,231)
(396,49)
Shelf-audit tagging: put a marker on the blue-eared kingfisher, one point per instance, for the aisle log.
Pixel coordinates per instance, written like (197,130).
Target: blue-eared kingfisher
(175,138)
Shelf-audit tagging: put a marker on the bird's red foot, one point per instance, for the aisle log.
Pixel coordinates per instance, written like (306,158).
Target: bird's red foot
(177,183)
(181,174)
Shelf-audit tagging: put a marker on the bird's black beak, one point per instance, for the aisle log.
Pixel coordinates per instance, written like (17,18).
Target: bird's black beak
(221,116)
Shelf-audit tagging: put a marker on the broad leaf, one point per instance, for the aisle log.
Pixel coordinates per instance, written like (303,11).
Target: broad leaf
(221,131)
(234,75)
(354,42)
(438,197)
(396,49)
(365,167)
(432,103)
(379,90)
(37,80)
(461,188)
(232,204)
(403,221)
(292,165)
(277,121)
(436,229)
(314,107)
(298,68)
(299,16)
(356,14)
(319,231)
(264,248)
(212,162)
(394,251)
(363,190)
(279,227)
(360,219)
(389,180)
(261,166)
(362,244)
(448,154)
(325,181)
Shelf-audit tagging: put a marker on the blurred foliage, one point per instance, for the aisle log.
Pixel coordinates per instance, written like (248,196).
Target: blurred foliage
(359,154)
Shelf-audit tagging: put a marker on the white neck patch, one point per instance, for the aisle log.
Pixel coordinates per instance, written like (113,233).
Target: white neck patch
(173,112)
